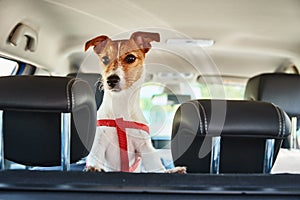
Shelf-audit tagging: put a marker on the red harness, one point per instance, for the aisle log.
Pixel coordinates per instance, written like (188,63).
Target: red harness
(121,125)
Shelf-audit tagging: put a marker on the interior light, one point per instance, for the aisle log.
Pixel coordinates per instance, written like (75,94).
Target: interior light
(191,42)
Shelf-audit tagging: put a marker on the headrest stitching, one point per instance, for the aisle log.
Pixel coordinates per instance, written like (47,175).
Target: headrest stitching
(283,119)
(69,87)
(279,116)
(205,119)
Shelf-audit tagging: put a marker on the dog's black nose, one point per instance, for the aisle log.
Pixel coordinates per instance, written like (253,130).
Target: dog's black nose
(113,80)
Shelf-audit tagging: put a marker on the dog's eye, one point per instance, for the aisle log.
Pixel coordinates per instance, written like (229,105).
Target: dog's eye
(105,60)
(130,59)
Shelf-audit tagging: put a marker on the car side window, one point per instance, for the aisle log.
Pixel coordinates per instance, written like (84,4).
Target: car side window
(8,67)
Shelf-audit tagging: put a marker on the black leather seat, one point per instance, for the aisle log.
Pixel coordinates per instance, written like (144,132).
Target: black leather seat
(281,89)
(93,80)
(47,121)
(219,136)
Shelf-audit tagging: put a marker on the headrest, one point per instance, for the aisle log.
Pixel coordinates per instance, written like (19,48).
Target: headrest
(43,93)
(231,118)
(93,80)
(32,107)
(281,89)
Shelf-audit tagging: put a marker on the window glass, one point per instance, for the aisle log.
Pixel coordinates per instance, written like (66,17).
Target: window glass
(8,67)
(159,107)
(234,87)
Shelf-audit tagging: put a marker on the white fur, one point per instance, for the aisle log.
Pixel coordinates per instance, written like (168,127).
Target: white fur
(105,153)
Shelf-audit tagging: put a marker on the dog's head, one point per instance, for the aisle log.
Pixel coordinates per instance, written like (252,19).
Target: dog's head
(122,59)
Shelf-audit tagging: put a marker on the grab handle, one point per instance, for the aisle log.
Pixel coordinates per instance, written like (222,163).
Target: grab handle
(22,31)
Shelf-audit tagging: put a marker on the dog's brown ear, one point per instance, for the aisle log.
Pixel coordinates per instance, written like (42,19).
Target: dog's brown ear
(98,43)
(143,39)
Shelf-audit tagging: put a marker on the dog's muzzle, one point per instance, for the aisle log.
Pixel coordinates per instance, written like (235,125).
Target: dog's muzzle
(113,81)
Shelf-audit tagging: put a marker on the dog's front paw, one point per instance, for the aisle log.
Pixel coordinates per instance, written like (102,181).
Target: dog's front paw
(93,169)
(178,170)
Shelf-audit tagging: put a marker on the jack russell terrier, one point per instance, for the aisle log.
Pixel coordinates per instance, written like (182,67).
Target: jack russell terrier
(122,141)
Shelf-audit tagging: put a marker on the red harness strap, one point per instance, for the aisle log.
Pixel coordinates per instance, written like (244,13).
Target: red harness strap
(121,125)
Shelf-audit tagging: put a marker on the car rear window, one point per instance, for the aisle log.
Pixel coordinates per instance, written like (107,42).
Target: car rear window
(159,107)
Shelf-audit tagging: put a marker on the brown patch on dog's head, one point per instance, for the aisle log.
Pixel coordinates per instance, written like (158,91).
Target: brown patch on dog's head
(143,39)
(123,58)
(98,43)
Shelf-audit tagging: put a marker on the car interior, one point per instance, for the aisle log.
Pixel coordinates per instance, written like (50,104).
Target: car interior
(221,97)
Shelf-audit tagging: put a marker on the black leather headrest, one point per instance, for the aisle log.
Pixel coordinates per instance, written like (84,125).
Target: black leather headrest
(244,127)
(93,80)
(32,107)
(43,93)
(280,89)
(231,118)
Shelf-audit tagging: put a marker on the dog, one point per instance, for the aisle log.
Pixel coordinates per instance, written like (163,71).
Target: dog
(122,141)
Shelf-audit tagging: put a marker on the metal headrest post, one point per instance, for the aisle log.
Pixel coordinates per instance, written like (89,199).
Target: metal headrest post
(215,155)
(269,155)
(2,166)
(294,133)
(65,141)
